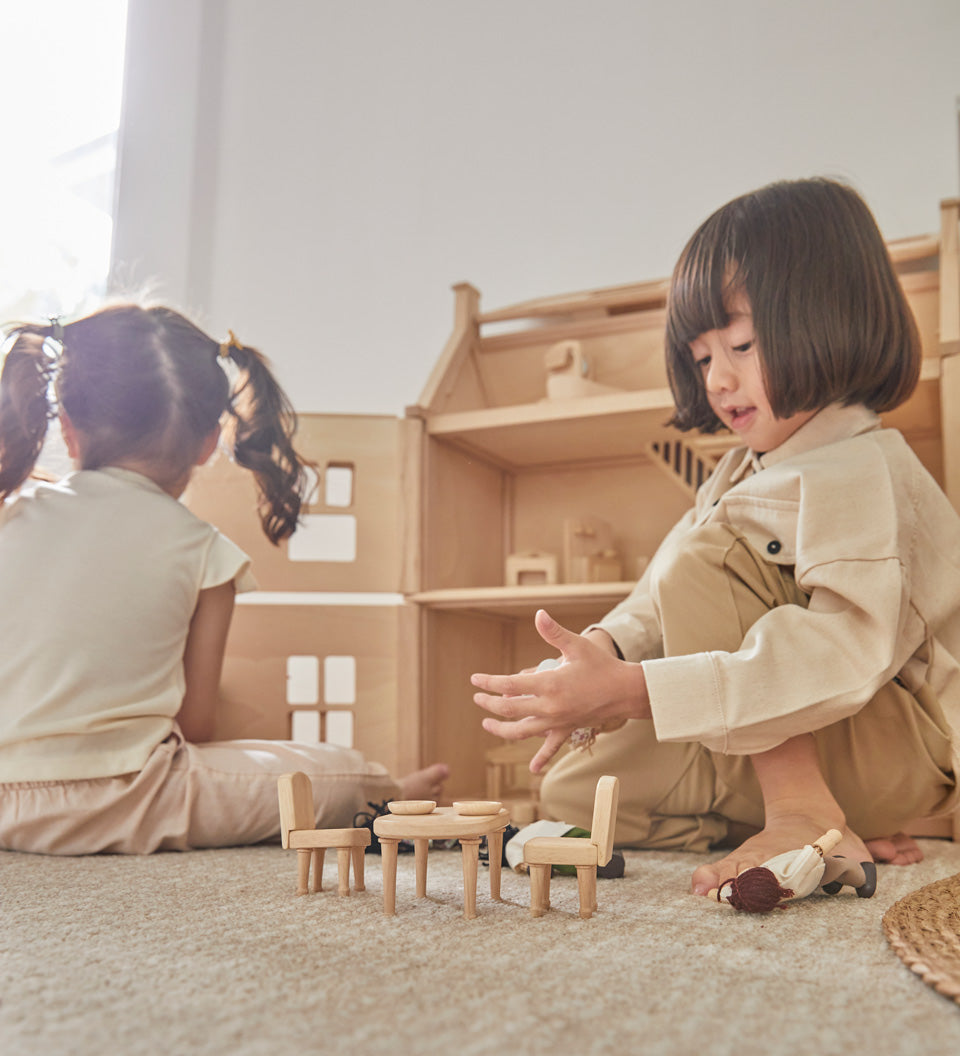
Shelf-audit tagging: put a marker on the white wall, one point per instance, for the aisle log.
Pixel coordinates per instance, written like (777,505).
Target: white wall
(315,174)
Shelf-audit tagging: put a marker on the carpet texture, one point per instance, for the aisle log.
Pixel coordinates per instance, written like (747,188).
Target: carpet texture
(211,952)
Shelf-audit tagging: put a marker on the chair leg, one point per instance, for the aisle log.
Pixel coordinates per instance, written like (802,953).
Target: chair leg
(303,869)
(343,870)
(317,884)
(358,869)
(539,890)
(587,885)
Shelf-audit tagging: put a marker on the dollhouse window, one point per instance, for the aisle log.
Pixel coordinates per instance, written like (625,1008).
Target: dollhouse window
(324,537)
(311,723)
(303,680)
(305,725)
(338,484)
(338,728)
(339,680)
(316,726)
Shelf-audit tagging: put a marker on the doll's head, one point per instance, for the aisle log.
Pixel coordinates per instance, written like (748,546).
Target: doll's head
(831,320)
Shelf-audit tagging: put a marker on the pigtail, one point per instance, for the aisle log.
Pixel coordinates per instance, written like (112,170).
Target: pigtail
(25,407)
(265,423)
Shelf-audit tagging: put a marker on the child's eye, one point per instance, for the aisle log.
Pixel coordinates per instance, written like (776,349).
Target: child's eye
(745,347)
(702,364)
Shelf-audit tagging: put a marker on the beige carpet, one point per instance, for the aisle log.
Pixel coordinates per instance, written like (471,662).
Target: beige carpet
(211,952)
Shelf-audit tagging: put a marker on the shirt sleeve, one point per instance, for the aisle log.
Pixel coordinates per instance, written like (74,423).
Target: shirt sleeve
(799,669)
(633,624)
(226,562)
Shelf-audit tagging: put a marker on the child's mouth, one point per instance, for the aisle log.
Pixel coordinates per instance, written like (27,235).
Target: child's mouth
(741,417)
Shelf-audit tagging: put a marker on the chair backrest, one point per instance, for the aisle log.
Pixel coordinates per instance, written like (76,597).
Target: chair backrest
(605,817)
(296,804)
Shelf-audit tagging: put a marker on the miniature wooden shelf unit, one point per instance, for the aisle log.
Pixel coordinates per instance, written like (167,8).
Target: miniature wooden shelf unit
(484,466)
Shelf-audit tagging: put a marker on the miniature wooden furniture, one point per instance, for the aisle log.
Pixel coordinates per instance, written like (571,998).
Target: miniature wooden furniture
(444,823)
(298,830)
(508,779)
(542,852)
(530,568)
(570,373)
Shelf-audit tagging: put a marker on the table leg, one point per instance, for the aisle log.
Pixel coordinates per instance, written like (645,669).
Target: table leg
(470,849)
(495,854)
(421,846)
(388,852)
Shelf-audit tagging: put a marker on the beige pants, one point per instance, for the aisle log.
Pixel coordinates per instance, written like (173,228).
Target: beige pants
(188,795)
(886,765)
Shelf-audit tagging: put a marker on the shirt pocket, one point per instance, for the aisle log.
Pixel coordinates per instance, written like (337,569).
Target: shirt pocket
(768,525)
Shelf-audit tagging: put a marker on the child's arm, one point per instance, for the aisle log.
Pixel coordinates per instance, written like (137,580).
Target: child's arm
(203,661)
(591,688)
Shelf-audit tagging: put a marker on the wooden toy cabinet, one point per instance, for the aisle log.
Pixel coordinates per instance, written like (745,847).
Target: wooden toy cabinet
(488,465)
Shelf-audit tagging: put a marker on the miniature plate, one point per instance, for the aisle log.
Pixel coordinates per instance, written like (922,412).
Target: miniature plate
(411,806)
(478,807)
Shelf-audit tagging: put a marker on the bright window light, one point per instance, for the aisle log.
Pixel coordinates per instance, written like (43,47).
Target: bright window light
(61,82)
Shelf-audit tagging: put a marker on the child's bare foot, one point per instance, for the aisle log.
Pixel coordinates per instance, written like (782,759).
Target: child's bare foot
(782,833)
(899,849)
(424,784)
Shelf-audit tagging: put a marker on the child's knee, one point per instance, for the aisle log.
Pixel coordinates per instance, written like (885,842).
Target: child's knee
(703,550)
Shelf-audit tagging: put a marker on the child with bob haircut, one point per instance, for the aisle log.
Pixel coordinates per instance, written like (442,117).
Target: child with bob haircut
(115,600)
(789,662)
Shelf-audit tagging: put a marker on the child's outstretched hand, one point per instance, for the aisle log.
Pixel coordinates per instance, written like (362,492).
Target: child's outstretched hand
(592,687)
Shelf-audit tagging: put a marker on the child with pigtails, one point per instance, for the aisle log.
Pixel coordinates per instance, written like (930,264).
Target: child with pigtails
(115,600)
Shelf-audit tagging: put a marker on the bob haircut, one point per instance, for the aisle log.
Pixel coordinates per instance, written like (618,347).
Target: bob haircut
(831,320)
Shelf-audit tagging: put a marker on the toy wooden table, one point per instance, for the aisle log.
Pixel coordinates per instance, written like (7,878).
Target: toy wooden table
(443,823)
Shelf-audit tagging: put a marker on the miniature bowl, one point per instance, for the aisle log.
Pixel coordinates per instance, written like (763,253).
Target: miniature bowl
(478,807)
(411,806)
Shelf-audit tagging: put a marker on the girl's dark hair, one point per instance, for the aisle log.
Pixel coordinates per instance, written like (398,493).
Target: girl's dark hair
(830,317)
(146,384)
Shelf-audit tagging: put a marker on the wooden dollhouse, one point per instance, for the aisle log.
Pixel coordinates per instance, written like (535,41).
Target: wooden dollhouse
(541,424)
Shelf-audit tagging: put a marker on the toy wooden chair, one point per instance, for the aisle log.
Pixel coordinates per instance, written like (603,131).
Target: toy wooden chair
(298,829)
(542,852)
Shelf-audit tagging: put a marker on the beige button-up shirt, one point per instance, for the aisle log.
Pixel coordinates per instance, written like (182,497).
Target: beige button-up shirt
(871,539)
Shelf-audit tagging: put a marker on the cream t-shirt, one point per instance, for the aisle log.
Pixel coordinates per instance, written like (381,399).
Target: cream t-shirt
(99,577)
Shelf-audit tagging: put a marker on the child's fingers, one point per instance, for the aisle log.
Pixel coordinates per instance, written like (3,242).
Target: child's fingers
(504,707)
(518,730)
(522,685)
(556,739)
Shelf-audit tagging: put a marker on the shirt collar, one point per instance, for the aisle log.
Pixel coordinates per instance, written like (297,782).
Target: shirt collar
(834,422)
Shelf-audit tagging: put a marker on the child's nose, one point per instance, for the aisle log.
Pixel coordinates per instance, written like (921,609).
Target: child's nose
(719,375)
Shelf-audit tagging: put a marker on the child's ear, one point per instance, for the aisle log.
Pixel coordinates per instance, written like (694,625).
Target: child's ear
(69,431)
(209,445)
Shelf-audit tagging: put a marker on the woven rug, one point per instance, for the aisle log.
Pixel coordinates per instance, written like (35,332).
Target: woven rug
(924,930)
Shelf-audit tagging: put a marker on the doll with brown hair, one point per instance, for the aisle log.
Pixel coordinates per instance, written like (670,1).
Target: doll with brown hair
(789,662)
(115,600)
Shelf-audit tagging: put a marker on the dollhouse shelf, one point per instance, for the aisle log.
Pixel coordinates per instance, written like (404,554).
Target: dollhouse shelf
(562,600)
(610,427)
